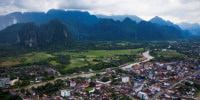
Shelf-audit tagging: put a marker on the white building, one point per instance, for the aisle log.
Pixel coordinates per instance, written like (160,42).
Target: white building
(72,84)
(167,83)
(142,95)
(65,93)
(125,79)
(169,67)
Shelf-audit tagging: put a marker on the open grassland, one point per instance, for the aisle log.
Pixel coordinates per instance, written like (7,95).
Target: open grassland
(25,58)
(78,59)
(84,58)
(168,54)
(100,53)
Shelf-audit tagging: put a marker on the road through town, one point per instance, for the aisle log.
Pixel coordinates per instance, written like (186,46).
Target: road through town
(146,55)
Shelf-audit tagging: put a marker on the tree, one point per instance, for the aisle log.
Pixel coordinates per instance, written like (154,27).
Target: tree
(22,90)
(125,98)
(96,91)
(58,82)
(105,79)
(15,97)
(92,84)
(24,83)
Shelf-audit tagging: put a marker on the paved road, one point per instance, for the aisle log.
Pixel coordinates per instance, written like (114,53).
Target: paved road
(55,71)
(198,98)
(145,54)
(52,81)
(160,93)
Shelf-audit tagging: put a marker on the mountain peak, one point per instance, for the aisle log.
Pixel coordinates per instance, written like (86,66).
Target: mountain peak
(158,20)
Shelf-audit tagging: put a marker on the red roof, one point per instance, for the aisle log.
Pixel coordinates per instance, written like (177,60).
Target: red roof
(87,84)
(72,82)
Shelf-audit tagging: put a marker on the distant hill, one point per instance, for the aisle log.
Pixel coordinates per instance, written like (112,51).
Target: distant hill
(9,35)
(160,21)
(108,29)
(52,34)
(41,17)
(193,28)
(121,17)
(39,30)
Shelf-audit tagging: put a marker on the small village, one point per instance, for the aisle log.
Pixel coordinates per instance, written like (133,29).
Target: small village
(172,80)
(23,76)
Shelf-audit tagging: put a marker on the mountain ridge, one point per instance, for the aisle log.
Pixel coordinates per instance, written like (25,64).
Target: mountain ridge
(81,26)
(121,17)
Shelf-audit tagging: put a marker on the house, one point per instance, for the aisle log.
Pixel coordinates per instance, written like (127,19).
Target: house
(138,85)
(108,70)
(86,85)
(155,87)
(125,79)
(65,93)
(142,95)
(23,96)
(167,83)
(150,75)
(170,91)
(72,84)
(147,65)
(31,91)
(138,88)
(4,82)
(169,67)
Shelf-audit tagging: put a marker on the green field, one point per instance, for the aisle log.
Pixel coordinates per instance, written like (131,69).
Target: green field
(78,59)
(82,58)
(169,54)
(27,58)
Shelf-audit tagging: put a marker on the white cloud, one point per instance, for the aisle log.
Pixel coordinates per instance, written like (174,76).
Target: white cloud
(174,10)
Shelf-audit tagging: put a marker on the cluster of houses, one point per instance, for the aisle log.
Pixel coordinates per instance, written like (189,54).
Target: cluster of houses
(140,81)
(187,90)
(156,77)
(159,76)
(4,82)
(32,95)
(34,74)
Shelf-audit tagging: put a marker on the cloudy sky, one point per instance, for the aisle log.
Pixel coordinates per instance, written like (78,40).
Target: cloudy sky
(173,10)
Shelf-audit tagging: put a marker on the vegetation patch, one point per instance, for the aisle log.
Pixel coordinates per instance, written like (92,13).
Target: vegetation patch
(168,55)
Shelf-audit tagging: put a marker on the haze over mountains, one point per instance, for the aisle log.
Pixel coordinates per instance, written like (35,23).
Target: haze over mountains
(85,27)
(121,17)
(193,28)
